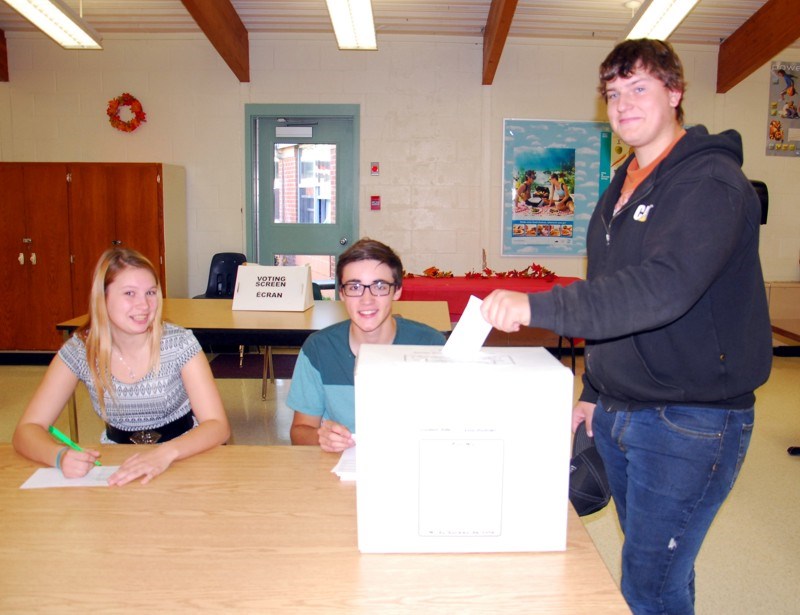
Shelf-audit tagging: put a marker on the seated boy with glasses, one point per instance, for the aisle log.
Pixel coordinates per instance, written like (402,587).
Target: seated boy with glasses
(322,393)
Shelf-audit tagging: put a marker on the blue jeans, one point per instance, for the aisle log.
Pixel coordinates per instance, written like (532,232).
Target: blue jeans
(669,468)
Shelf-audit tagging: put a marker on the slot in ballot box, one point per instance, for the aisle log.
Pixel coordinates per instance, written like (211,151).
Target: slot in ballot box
(276,289)
(461,455)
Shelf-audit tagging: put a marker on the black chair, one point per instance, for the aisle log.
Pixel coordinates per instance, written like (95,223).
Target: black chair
(221,283)
(222,275)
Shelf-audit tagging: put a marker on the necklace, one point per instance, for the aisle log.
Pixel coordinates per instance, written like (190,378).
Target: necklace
(131,373)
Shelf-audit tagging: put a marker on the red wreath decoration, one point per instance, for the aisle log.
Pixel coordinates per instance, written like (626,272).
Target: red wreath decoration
(126,100)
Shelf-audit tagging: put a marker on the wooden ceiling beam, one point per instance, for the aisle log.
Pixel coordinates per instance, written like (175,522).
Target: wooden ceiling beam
(501,13)
(221,24)
(770,30)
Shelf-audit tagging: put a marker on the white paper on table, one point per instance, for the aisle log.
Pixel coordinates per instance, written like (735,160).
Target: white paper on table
(469,333)
(345,469)
(52,477)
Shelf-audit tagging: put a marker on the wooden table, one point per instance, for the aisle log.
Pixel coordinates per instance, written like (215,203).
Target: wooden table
(213,321)
(787,327)
(259,530)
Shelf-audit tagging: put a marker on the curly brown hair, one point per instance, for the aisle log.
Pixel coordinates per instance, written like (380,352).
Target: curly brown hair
(644,54)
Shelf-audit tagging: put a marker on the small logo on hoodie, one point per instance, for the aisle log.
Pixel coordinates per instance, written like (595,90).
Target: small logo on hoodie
(641,213)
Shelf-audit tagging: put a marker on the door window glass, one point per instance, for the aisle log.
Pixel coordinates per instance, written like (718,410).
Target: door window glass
(323,269)
(305,183)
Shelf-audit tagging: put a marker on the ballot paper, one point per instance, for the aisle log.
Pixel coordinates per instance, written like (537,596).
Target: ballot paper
(345,469)
(469,334)
(53,477)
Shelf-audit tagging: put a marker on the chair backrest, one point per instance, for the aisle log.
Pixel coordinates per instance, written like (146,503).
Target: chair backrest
(763,197)
(316,290)
(222,274)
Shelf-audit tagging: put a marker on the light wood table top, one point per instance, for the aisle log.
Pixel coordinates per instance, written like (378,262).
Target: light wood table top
(788,327)
(216,314)
(255,529)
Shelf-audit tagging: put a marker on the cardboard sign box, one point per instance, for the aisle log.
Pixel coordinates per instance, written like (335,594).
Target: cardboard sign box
(276,289)
(462,456)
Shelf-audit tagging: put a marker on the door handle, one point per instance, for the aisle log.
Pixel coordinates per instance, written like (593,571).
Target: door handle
(21,258)
(33,258)
(343,241)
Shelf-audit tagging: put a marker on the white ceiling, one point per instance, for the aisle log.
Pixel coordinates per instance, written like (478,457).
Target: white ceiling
(710,22)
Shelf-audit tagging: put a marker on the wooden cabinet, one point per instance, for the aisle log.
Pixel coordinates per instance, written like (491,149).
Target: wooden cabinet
(67,214)
(35,280)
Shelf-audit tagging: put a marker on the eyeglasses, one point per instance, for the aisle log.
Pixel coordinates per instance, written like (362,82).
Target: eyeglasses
(378,288)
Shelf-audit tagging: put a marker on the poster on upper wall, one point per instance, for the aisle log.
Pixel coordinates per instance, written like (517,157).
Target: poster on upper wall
(783,118)
(553,174)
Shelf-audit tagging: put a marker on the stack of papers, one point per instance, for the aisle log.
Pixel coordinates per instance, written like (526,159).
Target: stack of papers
(346,468)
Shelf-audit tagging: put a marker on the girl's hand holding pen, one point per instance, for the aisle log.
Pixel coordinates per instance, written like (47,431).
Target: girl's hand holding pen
(75,464)
(72,460)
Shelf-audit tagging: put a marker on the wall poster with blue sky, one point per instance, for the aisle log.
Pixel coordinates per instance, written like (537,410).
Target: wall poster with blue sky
(553,174)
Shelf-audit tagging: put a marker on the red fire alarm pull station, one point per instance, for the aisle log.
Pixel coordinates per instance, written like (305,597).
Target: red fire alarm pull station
(375,202)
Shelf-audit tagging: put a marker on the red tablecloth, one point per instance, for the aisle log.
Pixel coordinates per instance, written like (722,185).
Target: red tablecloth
(456,291)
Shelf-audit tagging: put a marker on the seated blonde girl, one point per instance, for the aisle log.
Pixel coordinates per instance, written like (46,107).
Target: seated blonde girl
(148,380)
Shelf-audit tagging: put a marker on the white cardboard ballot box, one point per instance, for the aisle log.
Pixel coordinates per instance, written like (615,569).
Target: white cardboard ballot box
(461,455)
(277,289)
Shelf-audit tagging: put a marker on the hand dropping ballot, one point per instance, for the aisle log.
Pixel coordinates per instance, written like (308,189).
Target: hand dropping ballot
(470,332)
(462,448)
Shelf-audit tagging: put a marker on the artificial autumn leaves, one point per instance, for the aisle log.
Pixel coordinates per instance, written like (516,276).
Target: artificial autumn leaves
(531,271)
(125,100)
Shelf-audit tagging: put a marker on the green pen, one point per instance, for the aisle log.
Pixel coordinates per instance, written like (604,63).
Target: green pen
(60,436)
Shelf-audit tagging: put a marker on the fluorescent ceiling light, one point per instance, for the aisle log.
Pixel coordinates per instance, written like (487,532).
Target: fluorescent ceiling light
(353,24)
(658,18)
(59,22)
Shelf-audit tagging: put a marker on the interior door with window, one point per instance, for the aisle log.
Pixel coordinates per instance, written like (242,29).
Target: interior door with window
(305,188)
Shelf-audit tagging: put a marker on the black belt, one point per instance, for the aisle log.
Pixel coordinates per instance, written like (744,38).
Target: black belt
(165,433)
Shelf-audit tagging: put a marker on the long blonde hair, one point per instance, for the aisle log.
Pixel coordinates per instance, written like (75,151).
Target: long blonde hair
(96,333)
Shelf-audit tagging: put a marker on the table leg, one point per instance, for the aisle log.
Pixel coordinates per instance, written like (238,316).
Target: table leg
(72,406)
(571,342)
(72,409)
(267,367)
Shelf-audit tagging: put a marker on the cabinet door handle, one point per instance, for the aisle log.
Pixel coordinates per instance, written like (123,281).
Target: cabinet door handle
(33,258)
(21,258)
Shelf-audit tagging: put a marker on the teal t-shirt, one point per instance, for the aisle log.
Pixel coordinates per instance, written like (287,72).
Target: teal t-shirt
(323,382)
